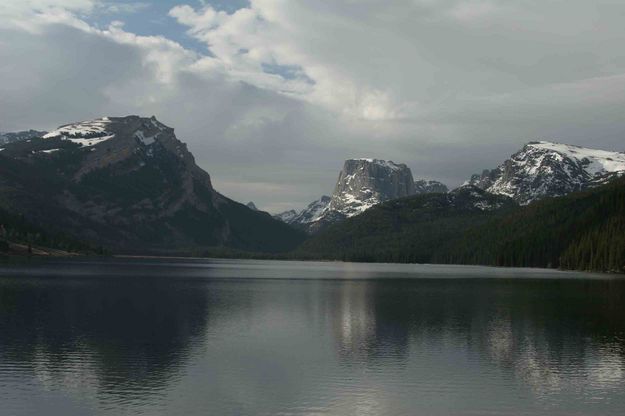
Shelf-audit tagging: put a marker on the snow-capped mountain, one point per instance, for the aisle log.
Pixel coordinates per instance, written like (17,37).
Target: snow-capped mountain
(286,216)
(128,181)
(362,183)
(423,186)
(544,168)
(308,217)
(20,135)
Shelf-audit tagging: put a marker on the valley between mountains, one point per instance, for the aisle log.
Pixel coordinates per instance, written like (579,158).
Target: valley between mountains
(128,185)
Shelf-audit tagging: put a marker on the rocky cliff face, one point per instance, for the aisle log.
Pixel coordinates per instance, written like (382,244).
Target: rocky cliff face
(362,183)
(543,168)
(128,182)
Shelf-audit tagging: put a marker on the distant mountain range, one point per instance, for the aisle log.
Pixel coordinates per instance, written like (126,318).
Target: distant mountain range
(128,184)
(540,169)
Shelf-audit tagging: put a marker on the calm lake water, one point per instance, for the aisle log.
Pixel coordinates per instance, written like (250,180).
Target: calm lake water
(211,337)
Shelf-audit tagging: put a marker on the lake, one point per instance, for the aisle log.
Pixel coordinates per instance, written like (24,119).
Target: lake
(232,337)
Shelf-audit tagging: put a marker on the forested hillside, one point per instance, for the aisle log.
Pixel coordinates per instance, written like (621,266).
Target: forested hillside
(15,229)
(583,230)
(414,229)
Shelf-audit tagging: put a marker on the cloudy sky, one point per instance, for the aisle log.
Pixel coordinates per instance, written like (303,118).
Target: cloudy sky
(273,95)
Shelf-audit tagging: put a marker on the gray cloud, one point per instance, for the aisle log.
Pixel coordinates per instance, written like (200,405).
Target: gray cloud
(448,87)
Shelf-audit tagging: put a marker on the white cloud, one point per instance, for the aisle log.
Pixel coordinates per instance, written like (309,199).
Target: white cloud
(291,88)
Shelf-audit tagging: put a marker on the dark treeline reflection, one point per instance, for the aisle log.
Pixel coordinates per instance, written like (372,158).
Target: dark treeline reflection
(134,332)
(138,331)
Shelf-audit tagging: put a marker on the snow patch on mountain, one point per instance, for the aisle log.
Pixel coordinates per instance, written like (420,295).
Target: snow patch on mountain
(84,133)
(140,135)
(597,162)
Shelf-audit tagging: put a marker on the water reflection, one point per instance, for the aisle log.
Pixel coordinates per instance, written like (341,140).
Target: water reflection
(166,337)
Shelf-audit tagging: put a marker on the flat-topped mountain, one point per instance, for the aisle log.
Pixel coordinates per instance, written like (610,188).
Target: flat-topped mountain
(544,168)
(129,183)
(362,184)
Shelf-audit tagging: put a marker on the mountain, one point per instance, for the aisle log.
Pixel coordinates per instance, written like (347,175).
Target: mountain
(286,216)
(410,229)
(310,218)
(20,135)
(583,230)
(362,183)
(543,169)
(251,206)
(423,186)
(128,184)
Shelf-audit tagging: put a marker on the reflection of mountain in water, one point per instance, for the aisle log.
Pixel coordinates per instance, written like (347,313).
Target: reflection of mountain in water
(537,330)
(368,325)
(129,341)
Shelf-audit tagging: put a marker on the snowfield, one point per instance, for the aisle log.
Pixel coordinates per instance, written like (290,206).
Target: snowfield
(84,133)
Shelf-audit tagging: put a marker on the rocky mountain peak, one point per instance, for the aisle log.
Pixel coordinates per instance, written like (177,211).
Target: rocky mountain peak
(543,168)
(363,183)
(131,141)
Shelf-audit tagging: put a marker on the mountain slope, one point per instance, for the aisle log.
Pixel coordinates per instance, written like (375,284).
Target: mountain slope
(543,169)
(129,184)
